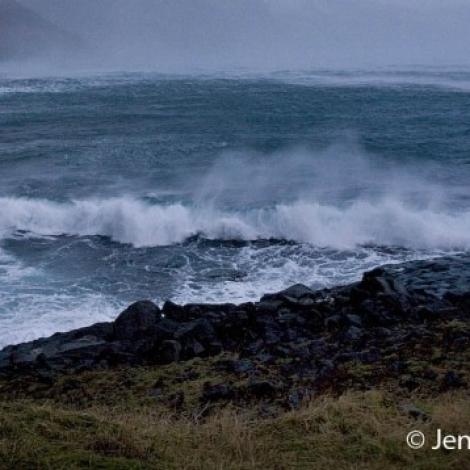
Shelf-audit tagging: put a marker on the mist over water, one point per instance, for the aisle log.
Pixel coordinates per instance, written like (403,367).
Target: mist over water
(336,198)
(216,35)
(218,150)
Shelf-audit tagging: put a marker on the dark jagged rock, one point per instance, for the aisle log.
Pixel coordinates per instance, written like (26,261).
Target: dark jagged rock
(136,321)
(293,295)
(168,352)
(308,335)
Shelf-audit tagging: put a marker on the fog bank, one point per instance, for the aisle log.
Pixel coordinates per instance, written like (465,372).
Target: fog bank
(184,35)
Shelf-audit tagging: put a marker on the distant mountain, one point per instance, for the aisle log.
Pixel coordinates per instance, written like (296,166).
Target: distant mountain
(25,34)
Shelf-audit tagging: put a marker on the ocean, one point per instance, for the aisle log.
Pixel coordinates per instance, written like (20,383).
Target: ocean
(220,187)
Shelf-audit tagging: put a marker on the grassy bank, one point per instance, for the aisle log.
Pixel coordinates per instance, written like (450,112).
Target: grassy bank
(127,419)
(364,430)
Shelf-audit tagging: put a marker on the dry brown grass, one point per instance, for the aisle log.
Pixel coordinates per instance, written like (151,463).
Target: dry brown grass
(354,431)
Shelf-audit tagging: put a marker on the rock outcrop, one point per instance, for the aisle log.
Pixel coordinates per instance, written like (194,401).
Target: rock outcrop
(390,309)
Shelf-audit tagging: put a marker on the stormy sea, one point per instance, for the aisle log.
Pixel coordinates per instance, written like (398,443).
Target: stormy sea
(222,187)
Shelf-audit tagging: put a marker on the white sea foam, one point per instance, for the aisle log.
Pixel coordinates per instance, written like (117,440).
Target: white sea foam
(33,314)
(128,220)
(275,267)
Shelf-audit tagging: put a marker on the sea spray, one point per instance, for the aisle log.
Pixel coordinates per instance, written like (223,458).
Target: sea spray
(128,220)
(222,187)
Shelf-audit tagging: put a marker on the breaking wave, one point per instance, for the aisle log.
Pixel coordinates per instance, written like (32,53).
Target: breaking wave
(133,221)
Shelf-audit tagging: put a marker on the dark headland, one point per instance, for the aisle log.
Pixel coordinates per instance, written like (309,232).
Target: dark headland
(401,334)
(25,34)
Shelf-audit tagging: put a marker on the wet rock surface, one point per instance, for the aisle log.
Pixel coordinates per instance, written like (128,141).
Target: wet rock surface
(290,344)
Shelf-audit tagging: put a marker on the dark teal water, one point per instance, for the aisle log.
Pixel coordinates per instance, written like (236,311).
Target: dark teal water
(127,186)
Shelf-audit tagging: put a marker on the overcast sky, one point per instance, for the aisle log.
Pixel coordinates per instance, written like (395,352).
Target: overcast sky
(266,33)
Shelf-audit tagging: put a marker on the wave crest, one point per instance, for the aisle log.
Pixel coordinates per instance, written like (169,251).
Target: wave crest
(128,220)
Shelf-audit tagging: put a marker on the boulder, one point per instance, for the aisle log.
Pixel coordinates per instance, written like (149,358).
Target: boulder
(137,320)
(201,329)
(168,352)
(297,295)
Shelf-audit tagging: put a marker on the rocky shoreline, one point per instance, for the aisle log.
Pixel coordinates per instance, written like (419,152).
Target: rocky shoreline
(289,345)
